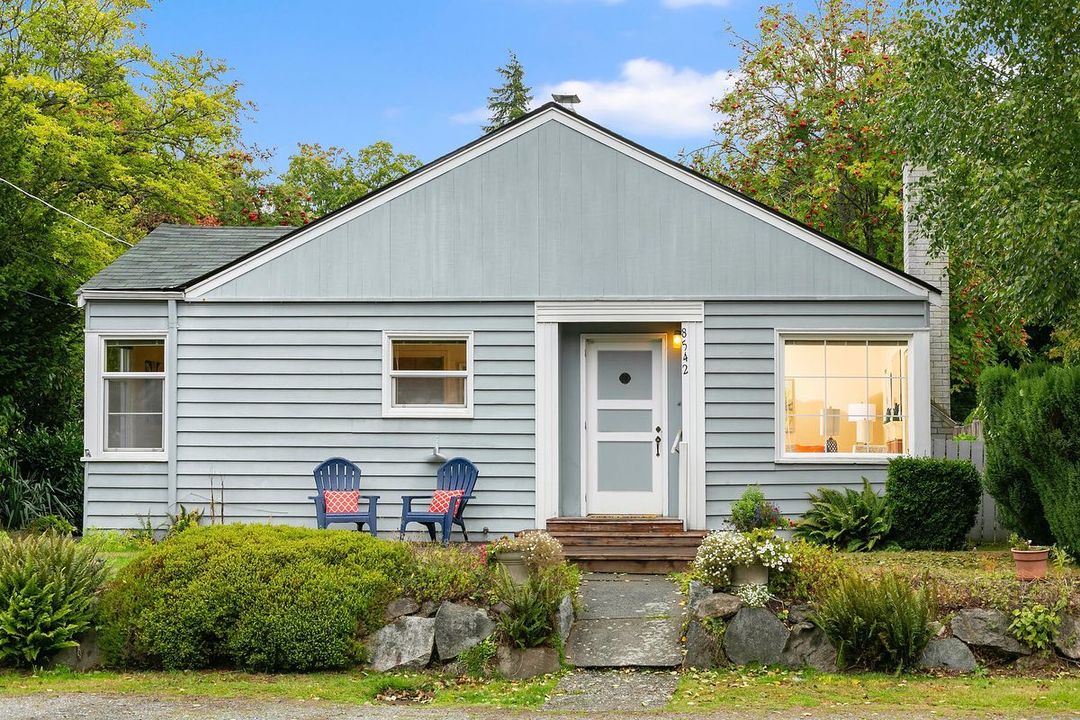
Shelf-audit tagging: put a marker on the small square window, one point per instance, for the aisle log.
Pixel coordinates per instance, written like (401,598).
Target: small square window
(427,375)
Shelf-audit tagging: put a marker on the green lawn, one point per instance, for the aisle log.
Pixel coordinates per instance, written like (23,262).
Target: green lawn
(920,695)
(359,687)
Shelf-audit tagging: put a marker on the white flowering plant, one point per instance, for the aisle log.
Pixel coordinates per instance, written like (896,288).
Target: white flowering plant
(722,551)
(754,595)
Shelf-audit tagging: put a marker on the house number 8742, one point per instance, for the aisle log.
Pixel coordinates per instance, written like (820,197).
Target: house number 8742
(685,353)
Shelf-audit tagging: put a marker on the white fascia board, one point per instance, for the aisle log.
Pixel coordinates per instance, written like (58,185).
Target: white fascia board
(83,295)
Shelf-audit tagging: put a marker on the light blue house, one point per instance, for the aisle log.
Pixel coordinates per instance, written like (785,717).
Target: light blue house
(601,330)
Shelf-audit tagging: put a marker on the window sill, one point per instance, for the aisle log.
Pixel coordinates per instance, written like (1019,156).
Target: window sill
(420,413)
(863,459)
(127,457)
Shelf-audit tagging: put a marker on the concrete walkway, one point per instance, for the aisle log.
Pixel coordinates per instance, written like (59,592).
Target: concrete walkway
(607,690)
(628,621)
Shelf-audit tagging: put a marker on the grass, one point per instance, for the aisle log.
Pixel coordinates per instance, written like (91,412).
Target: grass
(352,688)
(765,690)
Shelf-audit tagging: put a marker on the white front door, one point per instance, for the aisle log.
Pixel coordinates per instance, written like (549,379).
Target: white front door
(625,410)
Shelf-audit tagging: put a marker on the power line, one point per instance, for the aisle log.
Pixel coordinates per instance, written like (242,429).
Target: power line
(43,297)
(81,222)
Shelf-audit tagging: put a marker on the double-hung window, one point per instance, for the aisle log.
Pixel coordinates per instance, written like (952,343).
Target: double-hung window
(427,374)
(844,396)
(133,394)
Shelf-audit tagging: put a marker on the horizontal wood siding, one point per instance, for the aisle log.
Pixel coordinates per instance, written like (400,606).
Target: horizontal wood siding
(554,214)
(740,408)
(266,391)
(119,494)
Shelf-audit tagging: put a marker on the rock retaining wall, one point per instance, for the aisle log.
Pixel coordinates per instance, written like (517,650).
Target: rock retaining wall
(721,630)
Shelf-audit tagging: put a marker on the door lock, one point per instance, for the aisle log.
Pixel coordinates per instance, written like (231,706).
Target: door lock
(658,441)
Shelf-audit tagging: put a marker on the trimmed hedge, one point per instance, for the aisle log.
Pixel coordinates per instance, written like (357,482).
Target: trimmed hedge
(1006,477)
(932,502)
(257,597)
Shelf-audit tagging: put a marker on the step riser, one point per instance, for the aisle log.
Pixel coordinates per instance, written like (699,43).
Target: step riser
(615,527)
(646,567)
(674,541)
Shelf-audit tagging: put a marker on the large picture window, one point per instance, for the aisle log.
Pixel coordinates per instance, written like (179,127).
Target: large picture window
(427,375)
(844,396)
(134,394)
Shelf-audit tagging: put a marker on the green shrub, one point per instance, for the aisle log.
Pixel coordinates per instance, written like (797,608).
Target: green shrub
(183,520)
(1005,476)
(813,570)
(48,586)
(477,660)
(1036,626)
(876,623)
(258,597)
(112,541)
(439,573)
(846,520)
(752,511)
(932,502)
(40,470)
(50,523)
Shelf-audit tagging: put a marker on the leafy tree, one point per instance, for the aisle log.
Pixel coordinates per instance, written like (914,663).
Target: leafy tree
(992,106)
(510,100)
(802,129)
(317,181)
(93,121)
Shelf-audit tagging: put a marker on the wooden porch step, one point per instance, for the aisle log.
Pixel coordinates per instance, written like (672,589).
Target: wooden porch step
(635,539)
(615,525)
(640,553)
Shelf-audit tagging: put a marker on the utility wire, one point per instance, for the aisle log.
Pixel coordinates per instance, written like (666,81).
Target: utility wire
(43,297)
(81,222)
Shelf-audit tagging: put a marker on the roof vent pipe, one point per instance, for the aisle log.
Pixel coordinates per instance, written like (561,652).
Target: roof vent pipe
(567,101)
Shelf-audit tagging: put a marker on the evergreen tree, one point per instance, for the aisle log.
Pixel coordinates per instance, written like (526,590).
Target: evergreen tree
(510,100)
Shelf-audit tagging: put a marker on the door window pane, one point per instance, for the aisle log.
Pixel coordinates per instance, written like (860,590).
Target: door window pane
(624,374)
(624,466)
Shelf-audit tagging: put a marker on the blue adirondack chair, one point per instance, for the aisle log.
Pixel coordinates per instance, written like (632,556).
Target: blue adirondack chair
(454,474)
(340,474)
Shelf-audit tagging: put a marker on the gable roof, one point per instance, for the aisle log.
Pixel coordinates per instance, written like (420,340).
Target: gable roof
(171,256)
(243,259)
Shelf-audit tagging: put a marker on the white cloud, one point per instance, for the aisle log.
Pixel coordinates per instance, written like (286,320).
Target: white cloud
(650,98)
(679,4)
(476,116)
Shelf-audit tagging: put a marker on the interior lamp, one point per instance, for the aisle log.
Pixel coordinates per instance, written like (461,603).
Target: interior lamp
(861,414)
(830,427)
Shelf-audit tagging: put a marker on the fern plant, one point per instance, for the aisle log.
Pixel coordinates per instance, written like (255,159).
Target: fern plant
(529,620)
(847,520)
(876,623)
(48,587)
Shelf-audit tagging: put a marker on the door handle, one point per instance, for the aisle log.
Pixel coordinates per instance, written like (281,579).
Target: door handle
(658,441)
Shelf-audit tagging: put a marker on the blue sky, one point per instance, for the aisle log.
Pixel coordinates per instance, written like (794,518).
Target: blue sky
(418,73)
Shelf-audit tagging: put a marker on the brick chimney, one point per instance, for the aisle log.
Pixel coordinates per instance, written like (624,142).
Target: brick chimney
(933,269)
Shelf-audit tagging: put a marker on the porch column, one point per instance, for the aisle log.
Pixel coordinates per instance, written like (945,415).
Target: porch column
(546,374)
(692,496)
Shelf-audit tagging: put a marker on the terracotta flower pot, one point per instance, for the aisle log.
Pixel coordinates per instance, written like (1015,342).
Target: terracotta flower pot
(514,564)
(756,574)
(1031,564)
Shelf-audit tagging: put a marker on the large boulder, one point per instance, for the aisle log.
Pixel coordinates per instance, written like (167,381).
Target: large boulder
(799,613)
(84,657)
(718,605)
(948,654)
(755,636)
(565,619)
(987,630)
(405,643)
(697,592)
(702,647)
(1067,641)
(809,646)
(459,627)
(521,664)
(399,608)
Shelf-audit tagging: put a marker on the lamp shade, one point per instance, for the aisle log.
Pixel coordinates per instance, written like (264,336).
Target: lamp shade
(830,422)
(861,411)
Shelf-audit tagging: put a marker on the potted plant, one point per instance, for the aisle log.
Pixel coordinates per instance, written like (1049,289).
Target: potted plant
(753,512)
(1031,560)
(727,558)
(528,552)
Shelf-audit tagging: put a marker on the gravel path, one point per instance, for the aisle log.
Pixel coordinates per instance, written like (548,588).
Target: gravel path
(82,706)
(602,690)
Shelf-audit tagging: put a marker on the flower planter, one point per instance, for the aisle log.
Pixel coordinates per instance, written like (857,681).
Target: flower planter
(1031,564)
(514,564)
(755,574)
(786,534)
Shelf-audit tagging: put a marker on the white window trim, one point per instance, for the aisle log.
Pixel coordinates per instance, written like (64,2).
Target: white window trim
(389,410)
(94,418)
(918,415)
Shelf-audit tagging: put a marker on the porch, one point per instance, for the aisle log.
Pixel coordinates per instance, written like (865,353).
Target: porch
(625,544)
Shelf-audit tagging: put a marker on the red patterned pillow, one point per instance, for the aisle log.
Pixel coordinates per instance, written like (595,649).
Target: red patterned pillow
(440,501)
(341,501)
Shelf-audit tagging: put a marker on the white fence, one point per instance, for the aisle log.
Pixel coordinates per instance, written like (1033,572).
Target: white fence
(986,527)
